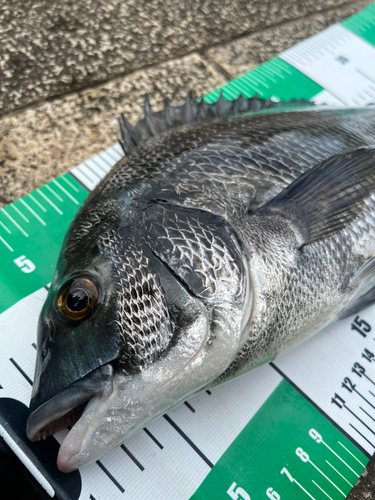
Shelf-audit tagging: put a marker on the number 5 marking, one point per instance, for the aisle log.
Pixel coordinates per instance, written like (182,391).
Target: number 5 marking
(240,493)
(24,264)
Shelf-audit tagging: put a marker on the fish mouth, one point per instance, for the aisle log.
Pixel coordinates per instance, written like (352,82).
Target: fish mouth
(68,406)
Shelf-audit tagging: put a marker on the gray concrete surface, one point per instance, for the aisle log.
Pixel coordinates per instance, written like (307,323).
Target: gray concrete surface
(50,47)
(44,141)
(365,487)
(245,53)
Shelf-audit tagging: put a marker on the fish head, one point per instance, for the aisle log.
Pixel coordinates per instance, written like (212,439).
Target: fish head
(143,311)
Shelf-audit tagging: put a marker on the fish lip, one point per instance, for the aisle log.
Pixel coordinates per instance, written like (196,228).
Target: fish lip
(73,452)
(95,384)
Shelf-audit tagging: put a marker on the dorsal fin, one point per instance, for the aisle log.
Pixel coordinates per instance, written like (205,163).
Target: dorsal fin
(190,113)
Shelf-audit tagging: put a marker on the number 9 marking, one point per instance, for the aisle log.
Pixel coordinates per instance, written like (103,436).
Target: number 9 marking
(315,435)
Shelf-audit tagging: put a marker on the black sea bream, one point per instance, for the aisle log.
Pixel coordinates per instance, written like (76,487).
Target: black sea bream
(223,238)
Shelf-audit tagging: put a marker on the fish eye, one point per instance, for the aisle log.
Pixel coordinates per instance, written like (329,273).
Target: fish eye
(77,299)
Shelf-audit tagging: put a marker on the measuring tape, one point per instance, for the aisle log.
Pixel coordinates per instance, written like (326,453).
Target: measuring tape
(301,427)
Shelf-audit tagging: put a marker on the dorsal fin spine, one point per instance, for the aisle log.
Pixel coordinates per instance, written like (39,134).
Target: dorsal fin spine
(190,113)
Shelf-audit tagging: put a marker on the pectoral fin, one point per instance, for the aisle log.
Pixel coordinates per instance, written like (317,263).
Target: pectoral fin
(365,276)
(329,197)
(359,304)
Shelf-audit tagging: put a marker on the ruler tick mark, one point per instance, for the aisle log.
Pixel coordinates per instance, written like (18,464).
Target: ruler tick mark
(37,203)
(104,156)
(350,453)
(360,433)
(338,456)
(368,402)
(339,473)
(302,488)
(355,100)
(260,80)
(283,67)
(50,202)
(20,213)
(6,244)
(269,74)
(369,92)
(54,193)
(328,479)
(273,70)
(364,411)
(356,416)
(189,406)
(109,475)
(188,440)
(70,184)
(368,378)
(6,229)
(114,155)
(92,171)
(24,374)
(66,192)
(321,489)
(132,457)
(153,438)
(84,173)
(99,165)
(15,224)
(360,72)
(32,212)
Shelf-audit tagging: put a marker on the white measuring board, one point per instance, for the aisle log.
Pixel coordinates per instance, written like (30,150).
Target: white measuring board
(334,370)
(341,62)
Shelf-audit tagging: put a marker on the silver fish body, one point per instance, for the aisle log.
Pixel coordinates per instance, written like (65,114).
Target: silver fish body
(212,248)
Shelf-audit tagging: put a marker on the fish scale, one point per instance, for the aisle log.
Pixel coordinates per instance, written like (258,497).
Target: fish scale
(281,79)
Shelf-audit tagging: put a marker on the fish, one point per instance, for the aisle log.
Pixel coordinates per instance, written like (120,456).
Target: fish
(228,234)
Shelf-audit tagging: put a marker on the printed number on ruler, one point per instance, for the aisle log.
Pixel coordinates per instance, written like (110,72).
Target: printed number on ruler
(361,326)
(272,494)
(25,265)
(237,493)
(335,470)
(361,404)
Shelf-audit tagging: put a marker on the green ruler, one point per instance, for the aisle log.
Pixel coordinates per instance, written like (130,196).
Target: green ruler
(296,429)
(303,455)
(32,230)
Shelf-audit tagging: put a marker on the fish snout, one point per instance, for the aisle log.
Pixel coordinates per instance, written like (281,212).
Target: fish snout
(66,407)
